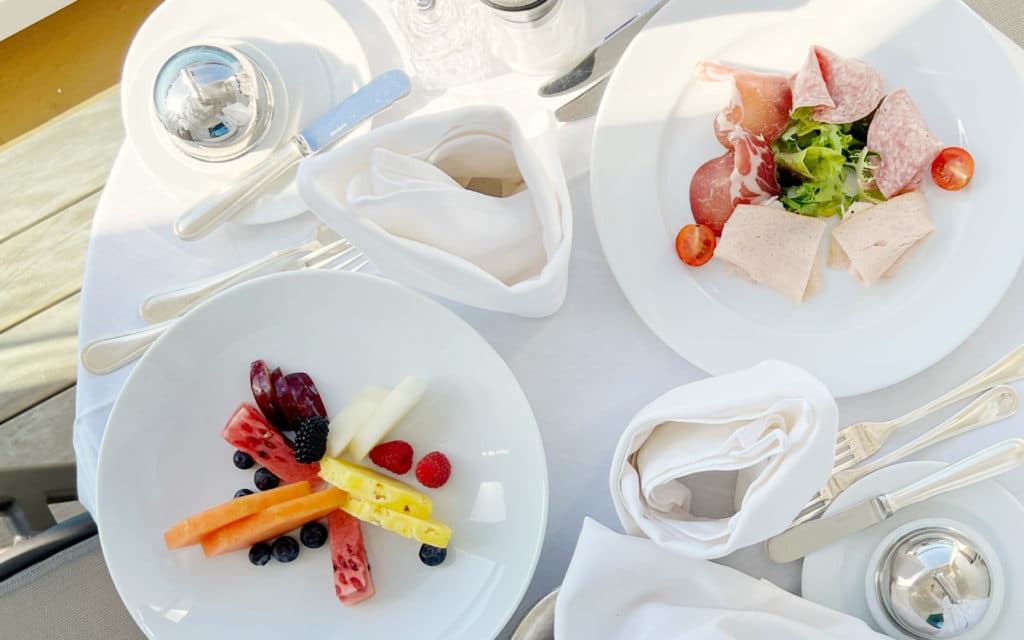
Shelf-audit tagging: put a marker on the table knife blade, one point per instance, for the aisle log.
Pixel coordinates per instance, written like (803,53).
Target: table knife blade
(584,105)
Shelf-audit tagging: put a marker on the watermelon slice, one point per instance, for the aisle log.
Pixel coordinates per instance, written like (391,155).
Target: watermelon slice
(249,431)
(352,580)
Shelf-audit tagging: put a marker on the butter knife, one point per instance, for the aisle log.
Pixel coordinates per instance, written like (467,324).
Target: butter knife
(369,100)
(805,538)
(598,64)
(584,105)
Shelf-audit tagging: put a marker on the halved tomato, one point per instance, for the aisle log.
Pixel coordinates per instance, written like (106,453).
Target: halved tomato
(695,244)
(953,168)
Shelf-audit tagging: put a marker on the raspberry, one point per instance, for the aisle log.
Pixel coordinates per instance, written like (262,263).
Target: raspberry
(433,470)
(395,456)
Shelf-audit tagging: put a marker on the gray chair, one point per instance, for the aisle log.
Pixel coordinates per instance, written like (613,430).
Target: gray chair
(54,583)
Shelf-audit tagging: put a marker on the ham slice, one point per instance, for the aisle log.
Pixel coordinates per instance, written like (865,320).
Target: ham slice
(875,241)
(773,247)
(710,197)
(900,136)
(840,89)
(745,175)
(760,102)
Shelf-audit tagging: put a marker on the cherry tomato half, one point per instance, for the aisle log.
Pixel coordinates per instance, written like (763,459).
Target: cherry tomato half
(953,168)
(695,244)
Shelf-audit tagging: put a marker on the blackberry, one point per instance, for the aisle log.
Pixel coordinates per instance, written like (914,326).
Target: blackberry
(285,549)
(265,480)
(243,492)
(243,460)
(259,554)
(313,535)
(310,439)
(432,556)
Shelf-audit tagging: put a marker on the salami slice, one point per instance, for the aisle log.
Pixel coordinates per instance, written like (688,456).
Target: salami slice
(900,136)
(753,175)
(854,89)
(760,102)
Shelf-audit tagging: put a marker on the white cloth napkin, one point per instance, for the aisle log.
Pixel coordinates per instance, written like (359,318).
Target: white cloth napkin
(774,425)
(624,588)
(469,204)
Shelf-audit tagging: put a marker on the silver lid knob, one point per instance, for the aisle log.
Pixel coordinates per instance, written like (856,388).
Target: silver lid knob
(214,101)
(934,583)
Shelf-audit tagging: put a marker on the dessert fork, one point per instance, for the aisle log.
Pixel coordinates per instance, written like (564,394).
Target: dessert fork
(992,406)
(113,352)
(860,441)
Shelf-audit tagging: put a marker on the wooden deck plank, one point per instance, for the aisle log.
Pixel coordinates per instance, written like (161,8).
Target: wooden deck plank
(41,435)
(39,357)
(43,265)
(58,164)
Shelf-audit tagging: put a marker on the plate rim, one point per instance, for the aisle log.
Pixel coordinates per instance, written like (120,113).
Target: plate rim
(544,503)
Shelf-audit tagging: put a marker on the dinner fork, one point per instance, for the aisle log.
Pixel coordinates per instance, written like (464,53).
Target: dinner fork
(111,353)
(860,441)
(173,303)
(992,406)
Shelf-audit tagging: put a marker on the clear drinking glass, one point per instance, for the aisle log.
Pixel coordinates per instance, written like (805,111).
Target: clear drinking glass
(445,40)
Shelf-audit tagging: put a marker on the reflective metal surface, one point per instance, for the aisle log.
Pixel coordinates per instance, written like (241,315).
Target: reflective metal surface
(934,583)
(214,101)
(521,10)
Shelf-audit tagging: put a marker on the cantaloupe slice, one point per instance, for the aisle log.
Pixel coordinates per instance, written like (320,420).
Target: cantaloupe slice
(272,522)
(194,527)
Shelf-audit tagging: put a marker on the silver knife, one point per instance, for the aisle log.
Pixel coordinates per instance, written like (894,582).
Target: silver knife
(377,95)
(805,538)
(584,105)
(600,62)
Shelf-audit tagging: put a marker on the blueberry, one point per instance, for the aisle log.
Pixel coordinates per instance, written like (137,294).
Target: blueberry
(432,556)
(313,535)
(243,492)
(265,480)
(243,460)
(286,549)
(259,554)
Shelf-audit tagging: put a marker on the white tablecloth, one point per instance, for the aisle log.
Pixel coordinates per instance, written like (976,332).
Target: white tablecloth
(586,370)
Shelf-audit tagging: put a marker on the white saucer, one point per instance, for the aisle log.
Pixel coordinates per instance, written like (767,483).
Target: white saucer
(834,576)
(315,60)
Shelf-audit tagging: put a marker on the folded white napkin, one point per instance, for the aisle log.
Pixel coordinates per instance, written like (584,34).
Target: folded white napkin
(774,425)
(469,204)
(624,588)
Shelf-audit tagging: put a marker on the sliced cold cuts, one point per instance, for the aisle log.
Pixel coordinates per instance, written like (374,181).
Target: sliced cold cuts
(773,247)
(876,240)
(840,89)
(745,175)
(760,102)
(900,136)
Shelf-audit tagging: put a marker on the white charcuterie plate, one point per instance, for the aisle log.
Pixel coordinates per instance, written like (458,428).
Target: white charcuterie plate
(654,129)
(163,458)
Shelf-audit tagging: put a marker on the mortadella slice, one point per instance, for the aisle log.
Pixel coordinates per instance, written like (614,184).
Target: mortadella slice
(760,101)
(900,136)
(840,89)
(876,240)
(773,247)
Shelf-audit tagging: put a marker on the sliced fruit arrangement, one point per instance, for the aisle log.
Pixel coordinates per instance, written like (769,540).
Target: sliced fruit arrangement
(294,469)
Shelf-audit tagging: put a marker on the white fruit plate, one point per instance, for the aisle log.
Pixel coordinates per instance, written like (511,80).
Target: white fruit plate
(162,459)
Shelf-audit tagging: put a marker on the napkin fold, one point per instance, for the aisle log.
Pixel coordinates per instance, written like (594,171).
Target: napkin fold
(469,204)
(625,588)
(773,427)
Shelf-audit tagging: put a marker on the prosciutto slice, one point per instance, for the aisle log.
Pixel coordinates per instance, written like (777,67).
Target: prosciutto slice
(744,175)
(900,136)
(760,102)
(840,89)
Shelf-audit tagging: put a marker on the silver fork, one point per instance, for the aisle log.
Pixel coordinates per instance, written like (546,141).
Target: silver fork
(108,354)
(860,441)
(992,406)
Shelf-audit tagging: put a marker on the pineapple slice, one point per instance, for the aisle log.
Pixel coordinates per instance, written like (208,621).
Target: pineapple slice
(375,488)
(426,531)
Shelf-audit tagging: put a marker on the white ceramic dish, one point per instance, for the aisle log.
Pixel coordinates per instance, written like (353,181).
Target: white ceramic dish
(834,576)
(162,458)
(313,60)
(654,129)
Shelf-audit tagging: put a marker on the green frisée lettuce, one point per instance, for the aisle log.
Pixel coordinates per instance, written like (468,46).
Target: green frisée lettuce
(823,168)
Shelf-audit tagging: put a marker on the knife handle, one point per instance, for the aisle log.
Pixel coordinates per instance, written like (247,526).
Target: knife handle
(215,209)
(987,463)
